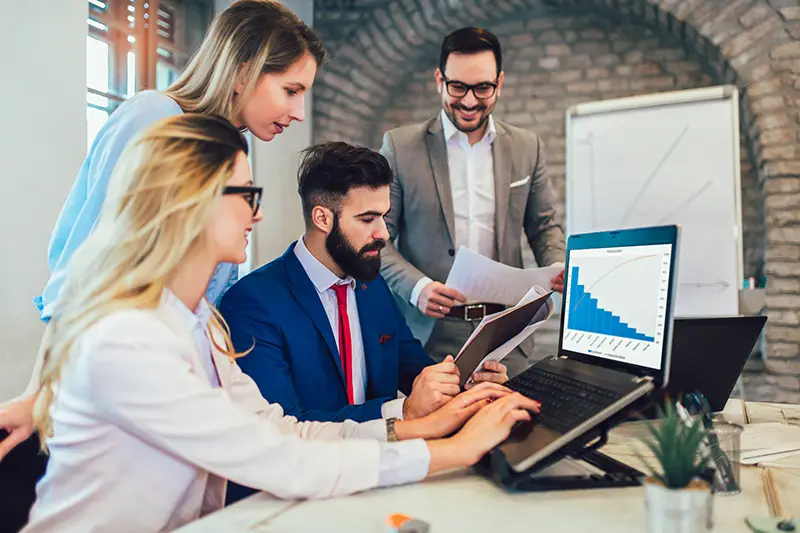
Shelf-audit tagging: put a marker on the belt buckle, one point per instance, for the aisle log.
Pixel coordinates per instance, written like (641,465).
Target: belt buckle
(468,308)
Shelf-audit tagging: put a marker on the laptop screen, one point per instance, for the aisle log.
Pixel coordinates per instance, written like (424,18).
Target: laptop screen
(616,303)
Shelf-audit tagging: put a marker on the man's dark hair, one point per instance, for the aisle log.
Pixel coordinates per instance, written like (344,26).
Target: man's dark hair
(328,171)
(471,40)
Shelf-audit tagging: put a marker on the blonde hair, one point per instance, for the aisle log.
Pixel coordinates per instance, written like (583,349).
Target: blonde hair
(159,202)
(247,39)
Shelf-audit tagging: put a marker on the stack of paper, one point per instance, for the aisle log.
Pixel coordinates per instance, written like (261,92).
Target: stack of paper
(769,441)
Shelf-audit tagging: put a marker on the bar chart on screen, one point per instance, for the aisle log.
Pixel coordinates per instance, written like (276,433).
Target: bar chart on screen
(616,303)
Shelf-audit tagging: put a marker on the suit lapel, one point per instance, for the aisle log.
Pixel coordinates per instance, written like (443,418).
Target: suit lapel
(307,298)
(437,153)
(503,167)
(369,335)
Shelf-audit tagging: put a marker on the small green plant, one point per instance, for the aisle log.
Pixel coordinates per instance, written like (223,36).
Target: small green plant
(677,449)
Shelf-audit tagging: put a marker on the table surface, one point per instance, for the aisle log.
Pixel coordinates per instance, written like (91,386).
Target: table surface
(464,501)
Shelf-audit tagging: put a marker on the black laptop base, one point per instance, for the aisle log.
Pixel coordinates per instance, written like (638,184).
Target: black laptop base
(616,474)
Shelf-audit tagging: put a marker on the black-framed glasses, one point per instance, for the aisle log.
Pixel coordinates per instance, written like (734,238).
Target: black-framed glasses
(459,89)
(251,194)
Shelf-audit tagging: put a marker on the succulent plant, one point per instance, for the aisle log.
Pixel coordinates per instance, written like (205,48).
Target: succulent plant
(677,447)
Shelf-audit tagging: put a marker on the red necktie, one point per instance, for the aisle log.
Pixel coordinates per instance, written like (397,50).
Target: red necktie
(345,345)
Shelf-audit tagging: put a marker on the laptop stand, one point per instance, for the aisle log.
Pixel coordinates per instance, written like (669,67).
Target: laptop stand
(584,448)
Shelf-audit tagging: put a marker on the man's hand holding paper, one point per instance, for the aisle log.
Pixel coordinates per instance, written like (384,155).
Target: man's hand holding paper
(436,299)
(557,283)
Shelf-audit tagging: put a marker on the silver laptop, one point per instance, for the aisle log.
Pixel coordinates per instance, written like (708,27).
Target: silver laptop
(614,347)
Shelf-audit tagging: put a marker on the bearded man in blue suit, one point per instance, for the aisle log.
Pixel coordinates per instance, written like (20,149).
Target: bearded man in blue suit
(327,340)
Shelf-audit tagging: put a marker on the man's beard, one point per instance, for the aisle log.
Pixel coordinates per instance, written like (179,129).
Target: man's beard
(354,263)
(483,110)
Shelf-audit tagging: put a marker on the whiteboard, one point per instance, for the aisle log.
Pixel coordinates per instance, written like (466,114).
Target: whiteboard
(667,158)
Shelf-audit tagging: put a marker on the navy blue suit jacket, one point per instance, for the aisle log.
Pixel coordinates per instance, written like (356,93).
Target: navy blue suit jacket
(295,360)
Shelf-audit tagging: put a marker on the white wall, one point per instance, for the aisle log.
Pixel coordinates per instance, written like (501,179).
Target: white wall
(42,144)
(275,169)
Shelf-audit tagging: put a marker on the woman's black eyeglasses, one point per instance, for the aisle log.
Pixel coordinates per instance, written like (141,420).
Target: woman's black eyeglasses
(251,194)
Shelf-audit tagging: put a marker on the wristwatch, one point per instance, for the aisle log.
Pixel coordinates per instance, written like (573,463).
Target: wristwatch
(391,436)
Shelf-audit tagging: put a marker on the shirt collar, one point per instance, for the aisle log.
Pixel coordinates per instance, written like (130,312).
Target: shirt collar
(450,130)
(319,274)
(197,318)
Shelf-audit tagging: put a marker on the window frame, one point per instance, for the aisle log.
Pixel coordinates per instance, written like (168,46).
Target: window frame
(149,40)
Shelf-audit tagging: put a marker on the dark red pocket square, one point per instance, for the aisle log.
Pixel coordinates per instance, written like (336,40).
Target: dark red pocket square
(385,338)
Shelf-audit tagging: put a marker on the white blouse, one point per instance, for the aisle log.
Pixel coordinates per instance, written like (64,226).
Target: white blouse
(143,442)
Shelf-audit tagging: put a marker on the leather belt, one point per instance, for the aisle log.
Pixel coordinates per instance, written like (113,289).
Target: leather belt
(474,312)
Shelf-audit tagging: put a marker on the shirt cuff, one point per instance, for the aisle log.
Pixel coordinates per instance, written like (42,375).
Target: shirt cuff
(373,429)
(403,462)
(418,289)
(393,409)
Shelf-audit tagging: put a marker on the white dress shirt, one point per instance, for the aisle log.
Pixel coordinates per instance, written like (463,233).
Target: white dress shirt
(471,171)
(143,442)
(323,279)
(197,322)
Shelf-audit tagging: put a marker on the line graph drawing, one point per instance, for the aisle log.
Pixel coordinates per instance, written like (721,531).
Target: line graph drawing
(686,203)
(653,174)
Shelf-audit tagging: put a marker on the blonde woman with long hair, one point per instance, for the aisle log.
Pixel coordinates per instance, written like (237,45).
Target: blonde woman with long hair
(142,405)
(253,68)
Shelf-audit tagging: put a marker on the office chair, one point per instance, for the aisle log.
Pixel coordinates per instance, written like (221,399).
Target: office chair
(20,470)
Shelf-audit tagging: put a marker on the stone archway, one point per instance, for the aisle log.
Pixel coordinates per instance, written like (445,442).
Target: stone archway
(754,44)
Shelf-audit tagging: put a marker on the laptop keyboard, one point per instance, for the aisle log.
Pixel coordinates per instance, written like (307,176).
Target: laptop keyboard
(566,402)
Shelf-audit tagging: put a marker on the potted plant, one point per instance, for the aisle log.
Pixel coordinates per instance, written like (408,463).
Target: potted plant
(678,491)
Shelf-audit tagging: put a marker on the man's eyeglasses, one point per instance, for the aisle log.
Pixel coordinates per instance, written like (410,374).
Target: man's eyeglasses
(251,194)
(459,89)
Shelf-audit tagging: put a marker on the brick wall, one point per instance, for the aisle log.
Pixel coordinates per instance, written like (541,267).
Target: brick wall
(558,53)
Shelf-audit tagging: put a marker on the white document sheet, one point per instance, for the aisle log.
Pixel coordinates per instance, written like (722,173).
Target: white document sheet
(481,279)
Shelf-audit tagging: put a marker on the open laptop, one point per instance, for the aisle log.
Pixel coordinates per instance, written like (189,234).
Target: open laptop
(708,355)
(614,347)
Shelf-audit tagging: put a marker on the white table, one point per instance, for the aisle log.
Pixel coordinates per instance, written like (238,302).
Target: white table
(462,501)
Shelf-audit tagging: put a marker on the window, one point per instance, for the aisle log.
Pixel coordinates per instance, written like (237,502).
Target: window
(120,62)
(120,59)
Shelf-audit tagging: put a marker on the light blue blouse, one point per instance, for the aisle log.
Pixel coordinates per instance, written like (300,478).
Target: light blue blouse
(82,208)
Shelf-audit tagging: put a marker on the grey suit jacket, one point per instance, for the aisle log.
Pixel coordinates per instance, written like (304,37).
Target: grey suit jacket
(421,220)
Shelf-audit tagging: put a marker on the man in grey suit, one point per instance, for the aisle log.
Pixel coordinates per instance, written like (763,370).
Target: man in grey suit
(464,179)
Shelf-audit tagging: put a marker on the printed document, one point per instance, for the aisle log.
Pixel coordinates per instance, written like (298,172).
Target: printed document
(481,279)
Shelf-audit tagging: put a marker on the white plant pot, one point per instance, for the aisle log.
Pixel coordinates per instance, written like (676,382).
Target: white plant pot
(688,510)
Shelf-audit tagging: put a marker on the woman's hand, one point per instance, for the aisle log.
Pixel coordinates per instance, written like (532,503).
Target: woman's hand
(490,426)
(452,415)
(17,419)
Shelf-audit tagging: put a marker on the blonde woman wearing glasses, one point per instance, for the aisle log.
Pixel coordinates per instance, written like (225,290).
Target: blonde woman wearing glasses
(142,406)
(253,68)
